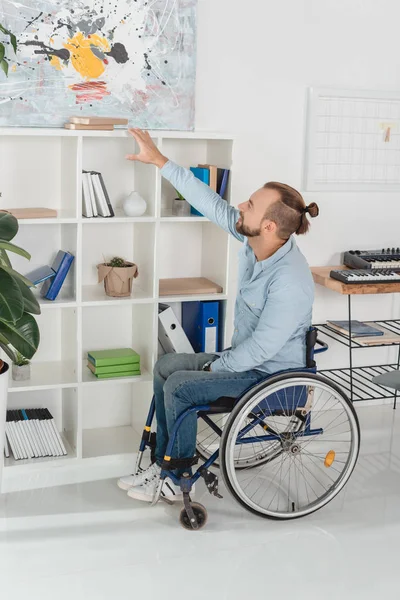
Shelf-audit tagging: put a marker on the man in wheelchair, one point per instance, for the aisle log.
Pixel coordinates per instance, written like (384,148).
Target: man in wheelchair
(272,312)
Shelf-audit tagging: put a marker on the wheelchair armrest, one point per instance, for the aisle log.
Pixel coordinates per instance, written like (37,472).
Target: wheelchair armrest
(324,347)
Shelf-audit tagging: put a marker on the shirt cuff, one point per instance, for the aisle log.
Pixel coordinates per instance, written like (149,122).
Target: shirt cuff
(216,366)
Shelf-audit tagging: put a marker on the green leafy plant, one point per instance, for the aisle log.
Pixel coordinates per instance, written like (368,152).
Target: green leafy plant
(117,262)
(179,195)
(3,58)
(19,331)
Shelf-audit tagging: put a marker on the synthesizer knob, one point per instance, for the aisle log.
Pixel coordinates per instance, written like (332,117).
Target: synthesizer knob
(388,250)
(383,250)
(393,250)
(397,250)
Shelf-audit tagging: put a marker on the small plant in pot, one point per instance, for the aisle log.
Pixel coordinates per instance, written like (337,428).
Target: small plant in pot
(21,367)
(180,208)
(118,275)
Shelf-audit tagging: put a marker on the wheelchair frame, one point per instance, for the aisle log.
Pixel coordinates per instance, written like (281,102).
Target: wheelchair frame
(194,515)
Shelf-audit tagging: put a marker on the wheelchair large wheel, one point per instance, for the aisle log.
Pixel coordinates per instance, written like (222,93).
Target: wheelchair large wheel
(318,433)
(208,441)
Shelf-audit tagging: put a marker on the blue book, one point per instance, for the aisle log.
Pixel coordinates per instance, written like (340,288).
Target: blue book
(222,182)
(41,274)
(60,266)
(200,322)
(358,329)
(204,176)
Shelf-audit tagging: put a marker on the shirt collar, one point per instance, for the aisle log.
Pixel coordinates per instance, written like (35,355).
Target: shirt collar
(271,260)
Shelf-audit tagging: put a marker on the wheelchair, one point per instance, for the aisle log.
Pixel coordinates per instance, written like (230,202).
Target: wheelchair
(285,448)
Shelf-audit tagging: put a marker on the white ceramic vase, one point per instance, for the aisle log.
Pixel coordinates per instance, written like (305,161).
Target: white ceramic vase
(134,205)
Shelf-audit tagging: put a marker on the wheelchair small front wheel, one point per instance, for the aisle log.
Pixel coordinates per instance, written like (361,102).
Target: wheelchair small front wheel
(200,514)
(317,430)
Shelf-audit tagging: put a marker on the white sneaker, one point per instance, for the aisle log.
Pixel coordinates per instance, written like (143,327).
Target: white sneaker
(147,489)
(125,483)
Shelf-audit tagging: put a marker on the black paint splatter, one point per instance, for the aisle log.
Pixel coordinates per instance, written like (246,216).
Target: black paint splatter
(62,53)
(118,53)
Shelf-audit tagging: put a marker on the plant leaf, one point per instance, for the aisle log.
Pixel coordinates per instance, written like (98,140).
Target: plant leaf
(31,305)
(4,66)
(8,226)
(4,30)
(7,349)
(13,41)
(11,299)
(2,51)
(4,259)
(13,248)
(17,275)
(23,335)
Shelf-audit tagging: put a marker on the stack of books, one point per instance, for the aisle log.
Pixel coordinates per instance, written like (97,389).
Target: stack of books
(52,277)
(213,176)
(118,362)
(95,123)
(95,198)
(32,433)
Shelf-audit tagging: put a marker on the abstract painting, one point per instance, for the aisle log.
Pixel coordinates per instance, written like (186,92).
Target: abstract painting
(124,58)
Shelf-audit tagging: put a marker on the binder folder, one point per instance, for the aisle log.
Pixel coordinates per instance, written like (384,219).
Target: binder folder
(170,333)
(200,320)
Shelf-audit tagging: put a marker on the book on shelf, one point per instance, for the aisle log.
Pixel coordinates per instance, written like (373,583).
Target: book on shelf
(214,177)
(32,433)
(61,266)
(358,329)
(95,198)
(113,356)
(89,120)
(387,337)
(188,286)
(116,362)
(81,127)
(31,213)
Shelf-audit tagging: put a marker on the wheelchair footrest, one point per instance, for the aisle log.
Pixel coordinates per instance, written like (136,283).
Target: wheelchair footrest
(179,463)
(211,481)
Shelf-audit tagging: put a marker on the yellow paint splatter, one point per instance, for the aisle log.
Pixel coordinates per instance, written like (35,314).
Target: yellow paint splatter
(55,62)
(14,68)
(82,58)
(51,40)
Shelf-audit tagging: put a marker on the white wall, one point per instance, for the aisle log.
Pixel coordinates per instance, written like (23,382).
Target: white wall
(256,59)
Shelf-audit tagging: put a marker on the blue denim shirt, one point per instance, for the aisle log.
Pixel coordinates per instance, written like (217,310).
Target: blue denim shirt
(275,296)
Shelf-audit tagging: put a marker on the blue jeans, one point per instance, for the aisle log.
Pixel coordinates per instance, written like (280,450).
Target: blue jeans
(179,384)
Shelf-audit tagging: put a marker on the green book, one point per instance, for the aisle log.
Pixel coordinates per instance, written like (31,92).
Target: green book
(117,356)
(122,374)
(113,368)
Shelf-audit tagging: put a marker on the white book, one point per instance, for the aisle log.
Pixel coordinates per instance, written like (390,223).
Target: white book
(42,445)
(12,441)
(100,198)
(49,437)
(27,431)
(86,202)
(58,436)
(26,449)
(6,447)
(92,194)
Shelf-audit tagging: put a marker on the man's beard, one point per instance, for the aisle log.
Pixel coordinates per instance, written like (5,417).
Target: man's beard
(247,231)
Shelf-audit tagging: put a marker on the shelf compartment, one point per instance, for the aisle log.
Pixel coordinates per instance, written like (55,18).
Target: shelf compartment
(392,326)
(113,418)
(93,295)
(202,250)
(363,388)
(63,405)
(120,326)
(120,175)
(132,241)
(43,242)
(47,375)
(190,153)
(24,156)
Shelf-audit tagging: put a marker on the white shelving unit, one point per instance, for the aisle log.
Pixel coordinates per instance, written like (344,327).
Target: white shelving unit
(101,420)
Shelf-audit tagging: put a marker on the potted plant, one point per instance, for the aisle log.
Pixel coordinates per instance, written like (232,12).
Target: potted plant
(180,208)
(18,328)
(118,275)
(21,367)
(3,58)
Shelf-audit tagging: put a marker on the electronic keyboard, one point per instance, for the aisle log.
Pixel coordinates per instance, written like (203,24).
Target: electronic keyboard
(358,276)
(388,258)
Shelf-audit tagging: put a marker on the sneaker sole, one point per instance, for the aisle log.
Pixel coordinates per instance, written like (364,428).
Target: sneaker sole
(147,498)
(123,486)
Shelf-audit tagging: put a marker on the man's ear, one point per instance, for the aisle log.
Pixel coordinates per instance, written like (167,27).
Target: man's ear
(269,226)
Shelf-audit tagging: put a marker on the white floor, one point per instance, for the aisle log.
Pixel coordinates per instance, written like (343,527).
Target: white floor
(90,541)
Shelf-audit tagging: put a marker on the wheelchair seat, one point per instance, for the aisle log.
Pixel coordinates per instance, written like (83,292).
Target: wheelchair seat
(224,404)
